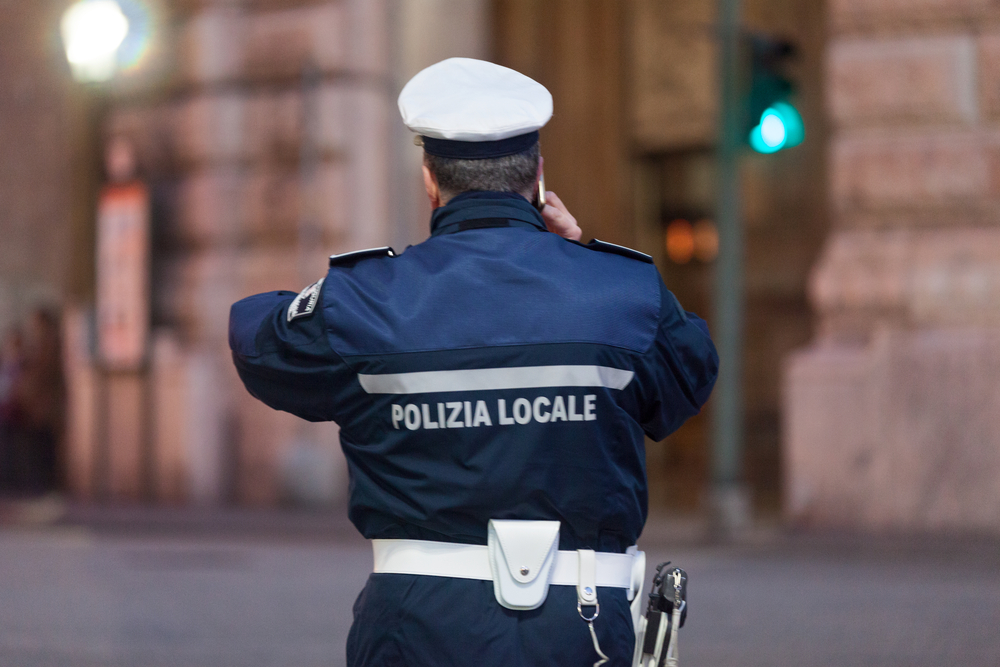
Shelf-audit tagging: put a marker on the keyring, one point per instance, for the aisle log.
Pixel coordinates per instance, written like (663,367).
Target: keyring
(597,611)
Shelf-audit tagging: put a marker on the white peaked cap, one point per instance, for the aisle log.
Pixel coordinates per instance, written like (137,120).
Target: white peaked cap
(462,99)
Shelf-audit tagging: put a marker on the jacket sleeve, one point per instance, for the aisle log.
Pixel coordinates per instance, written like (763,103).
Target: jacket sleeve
(289,365)
(675,376)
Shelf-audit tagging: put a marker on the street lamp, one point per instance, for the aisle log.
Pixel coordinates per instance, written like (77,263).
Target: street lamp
(92,31)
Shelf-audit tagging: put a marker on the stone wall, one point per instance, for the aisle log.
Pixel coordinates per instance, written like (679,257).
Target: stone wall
(36,128)
(891,416)
(266,152)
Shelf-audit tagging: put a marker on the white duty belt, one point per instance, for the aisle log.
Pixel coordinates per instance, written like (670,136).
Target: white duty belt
(472,561)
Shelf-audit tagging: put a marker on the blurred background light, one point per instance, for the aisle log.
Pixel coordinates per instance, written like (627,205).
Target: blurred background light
(680,241)
(685,241)
(706,241)
(92,32)
(780,127)
(772,130)
(136,45)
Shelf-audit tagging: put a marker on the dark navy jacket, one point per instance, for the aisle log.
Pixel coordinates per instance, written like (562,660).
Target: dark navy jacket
(494,371)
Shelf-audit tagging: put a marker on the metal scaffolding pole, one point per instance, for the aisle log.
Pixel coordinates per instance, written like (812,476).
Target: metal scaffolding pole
(729,498)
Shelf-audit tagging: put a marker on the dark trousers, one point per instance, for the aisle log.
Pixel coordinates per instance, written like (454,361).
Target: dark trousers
(420,621)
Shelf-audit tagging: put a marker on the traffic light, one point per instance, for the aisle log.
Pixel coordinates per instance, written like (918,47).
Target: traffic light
(773,122)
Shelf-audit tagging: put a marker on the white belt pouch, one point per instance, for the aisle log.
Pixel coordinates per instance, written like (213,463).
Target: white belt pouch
(522,555)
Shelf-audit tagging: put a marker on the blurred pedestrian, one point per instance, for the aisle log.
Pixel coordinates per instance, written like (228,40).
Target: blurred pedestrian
(11,414)
(32,399)
(44,397)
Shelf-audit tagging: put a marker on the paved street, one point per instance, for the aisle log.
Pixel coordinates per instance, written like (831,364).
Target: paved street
(276,593)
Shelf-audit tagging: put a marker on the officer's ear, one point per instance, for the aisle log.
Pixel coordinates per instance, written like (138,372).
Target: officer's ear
(431,185)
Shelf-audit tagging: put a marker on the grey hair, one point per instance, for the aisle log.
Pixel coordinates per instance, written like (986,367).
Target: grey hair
(510,173)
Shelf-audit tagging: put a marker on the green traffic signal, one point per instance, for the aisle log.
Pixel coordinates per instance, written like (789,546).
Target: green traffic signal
(780,127)
(772,122)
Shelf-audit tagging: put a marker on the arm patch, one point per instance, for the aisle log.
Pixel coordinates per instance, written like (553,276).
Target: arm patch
(305,303)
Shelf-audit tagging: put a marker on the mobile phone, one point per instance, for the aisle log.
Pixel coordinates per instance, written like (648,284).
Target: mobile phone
(540,198)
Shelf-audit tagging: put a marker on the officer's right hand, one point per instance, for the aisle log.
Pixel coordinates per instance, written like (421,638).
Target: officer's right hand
(558,220)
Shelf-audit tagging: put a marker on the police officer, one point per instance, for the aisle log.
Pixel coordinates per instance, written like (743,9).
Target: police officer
(493,387)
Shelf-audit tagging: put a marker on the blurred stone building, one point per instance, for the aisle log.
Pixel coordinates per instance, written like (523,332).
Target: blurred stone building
(267,132)
(893,413)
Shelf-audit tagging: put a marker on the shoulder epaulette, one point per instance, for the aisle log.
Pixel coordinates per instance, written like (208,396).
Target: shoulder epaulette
(346,258)
(614,249)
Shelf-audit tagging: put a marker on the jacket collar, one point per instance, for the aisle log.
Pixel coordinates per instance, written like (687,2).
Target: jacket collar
(477,210)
